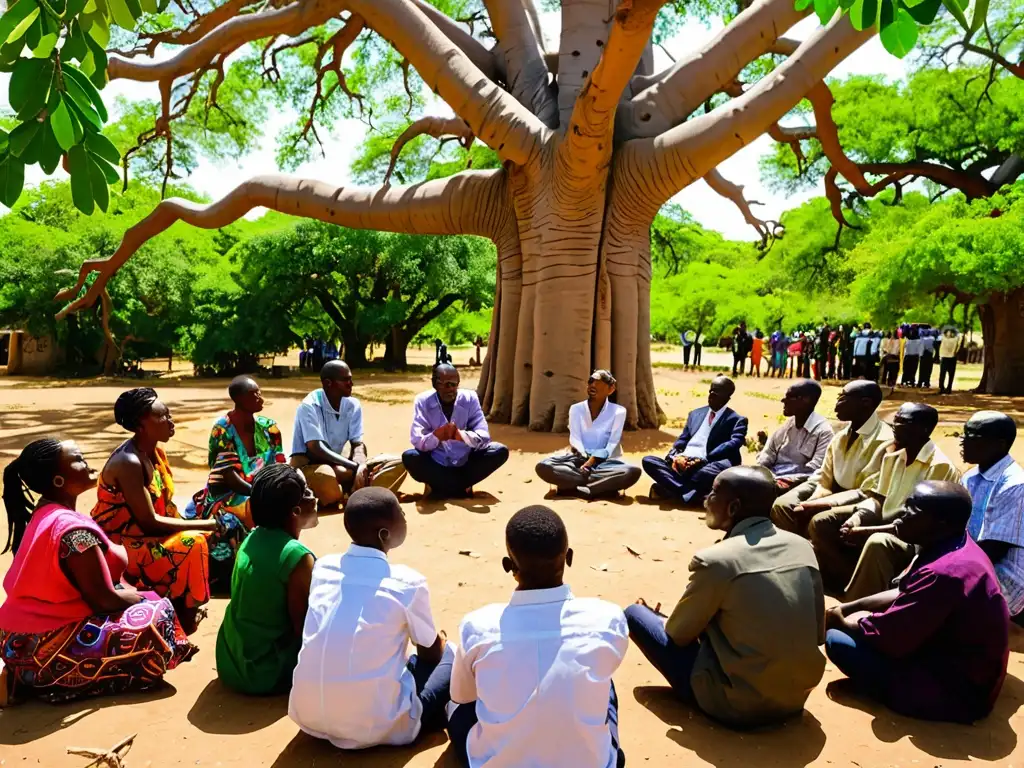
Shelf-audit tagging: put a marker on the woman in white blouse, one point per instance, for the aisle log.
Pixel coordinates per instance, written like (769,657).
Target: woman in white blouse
(592,466)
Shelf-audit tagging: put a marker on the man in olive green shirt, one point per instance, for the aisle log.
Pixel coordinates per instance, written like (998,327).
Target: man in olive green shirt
(743,640)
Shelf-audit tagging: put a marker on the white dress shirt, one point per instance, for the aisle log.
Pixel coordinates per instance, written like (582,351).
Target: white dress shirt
(351,685)
(600,437)
(697,448)
(540,670)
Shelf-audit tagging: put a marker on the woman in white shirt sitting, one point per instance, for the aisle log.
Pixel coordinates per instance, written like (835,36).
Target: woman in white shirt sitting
(592,466)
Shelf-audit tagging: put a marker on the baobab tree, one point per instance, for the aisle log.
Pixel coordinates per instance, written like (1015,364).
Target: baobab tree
(592,142)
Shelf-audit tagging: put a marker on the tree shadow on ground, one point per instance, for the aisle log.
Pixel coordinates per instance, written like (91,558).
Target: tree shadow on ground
(218,710)
(304,750)
(34,719)
(990,739)
(480,503)
(793,744)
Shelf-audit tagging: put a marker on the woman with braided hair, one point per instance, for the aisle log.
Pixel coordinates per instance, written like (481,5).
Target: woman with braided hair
(66,630)
(135,507)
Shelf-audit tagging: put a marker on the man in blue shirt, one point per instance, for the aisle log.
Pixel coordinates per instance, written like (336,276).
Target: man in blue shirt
(862,351)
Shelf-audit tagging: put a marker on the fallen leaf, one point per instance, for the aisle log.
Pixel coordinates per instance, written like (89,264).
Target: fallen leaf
(468,553)
(656,559)
(632,551)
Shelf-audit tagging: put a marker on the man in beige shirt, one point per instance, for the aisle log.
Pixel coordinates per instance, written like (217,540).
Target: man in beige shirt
(858,553)
(743,640)
(850,460)
(797,449)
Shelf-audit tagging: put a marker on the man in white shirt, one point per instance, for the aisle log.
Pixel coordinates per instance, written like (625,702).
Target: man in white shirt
(797,449)
(851,458)
(532,679)
(911,358)
(354,684)
(326,421)
(592,466)
(949,348)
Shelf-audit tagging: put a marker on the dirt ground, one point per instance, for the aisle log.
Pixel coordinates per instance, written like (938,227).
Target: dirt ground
(193,721)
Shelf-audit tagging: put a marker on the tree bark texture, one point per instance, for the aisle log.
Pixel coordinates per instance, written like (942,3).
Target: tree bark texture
(1004,348)
(591,148)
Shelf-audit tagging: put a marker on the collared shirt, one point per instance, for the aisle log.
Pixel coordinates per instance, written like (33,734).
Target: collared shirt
(998,515)
(848,467)
(600,437)
(756,602)
(861,345)
(891,346)
(948,347)
(315,419)
(697,448)
(540,670)
(351,684)
(895,480)
(913,348)
(948,631)
(794,450)
(467,415)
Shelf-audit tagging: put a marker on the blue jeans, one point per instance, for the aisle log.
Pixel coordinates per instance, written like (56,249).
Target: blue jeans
(858,661)
(674,662)
(464,718)
(433,684)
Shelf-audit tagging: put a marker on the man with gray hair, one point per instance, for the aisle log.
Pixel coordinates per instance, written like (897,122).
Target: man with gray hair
(592,466)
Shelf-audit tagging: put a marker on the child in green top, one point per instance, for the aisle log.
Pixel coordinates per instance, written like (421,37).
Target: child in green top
(258,643)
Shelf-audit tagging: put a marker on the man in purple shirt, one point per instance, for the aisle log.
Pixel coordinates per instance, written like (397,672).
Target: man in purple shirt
(937,646)
(452,449)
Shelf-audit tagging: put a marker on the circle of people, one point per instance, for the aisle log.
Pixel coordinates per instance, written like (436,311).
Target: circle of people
(929,568)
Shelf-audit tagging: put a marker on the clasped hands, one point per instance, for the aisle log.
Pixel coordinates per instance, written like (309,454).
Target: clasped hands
(448,432)
(683,464)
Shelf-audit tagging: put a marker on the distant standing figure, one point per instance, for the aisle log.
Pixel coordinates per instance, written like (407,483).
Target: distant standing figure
(948,351)
(757,346)
(741,343)
(924,373)
(698,345)
(911,358)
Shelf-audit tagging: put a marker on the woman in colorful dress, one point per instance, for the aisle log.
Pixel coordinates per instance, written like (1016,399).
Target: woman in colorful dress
(66,630)
(135,507)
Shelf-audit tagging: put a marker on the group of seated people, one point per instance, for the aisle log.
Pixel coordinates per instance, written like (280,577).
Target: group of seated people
(929,570)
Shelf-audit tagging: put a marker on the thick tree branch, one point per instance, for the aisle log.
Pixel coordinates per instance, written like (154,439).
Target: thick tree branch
(673,95)
(436,127)
(734,192)
(483,58)
(467,203)
(525,71)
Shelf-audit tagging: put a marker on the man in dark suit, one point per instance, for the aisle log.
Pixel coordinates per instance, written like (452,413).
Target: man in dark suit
(709,445)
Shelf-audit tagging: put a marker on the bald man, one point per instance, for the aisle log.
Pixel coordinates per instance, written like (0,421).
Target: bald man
(328,447)
(936,647)
(797,449)
(996,486)
(743,640)
(851,458)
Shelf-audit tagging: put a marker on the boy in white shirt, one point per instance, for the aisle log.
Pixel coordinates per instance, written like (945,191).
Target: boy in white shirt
(532,681)
(353,684)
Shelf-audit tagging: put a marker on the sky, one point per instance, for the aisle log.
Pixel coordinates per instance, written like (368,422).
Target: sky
(711,211)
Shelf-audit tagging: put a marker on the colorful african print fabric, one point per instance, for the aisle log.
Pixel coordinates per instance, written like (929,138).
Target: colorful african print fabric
(100,655)
(176,566)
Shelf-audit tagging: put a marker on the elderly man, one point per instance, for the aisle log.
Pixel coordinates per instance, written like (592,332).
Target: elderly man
(851,459)
(743,640)
(996,486)
(326,421)
(937,647)
(709,444)
(452,449)
(858,551)
(797,449)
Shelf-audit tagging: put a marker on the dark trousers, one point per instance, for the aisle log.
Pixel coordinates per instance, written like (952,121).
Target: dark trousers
(453,482)
(910,370)
(686,353)
(862,664)
(464,718)
(924,371)
(739,362)
(690,487)
(696,353)
(892,370)
(863,366)
(947,371)
(433,685)
(831,365)
(674,662)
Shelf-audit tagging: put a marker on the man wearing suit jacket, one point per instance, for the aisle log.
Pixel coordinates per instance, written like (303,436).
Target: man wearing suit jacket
(709,445)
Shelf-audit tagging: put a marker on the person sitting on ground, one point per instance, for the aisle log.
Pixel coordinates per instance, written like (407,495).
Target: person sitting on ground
(66,630)
(326,421)
(710,444)
(258,643)
(532,679)
(858,553)
(241,443)
(135,508)
(452,449)
(797,449)
(743,640)
(851,458)
(996,486)
(354,684)
(935,648)
(592,466)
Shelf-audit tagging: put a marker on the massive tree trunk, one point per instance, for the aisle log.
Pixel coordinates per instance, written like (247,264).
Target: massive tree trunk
(1003,329)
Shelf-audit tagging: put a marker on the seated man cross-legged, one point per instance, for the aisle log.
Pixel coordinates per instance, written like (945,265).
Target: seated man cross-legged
(592,466)
(452,449)
(796,450)
(709,444)
(937,647)
(743,640)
